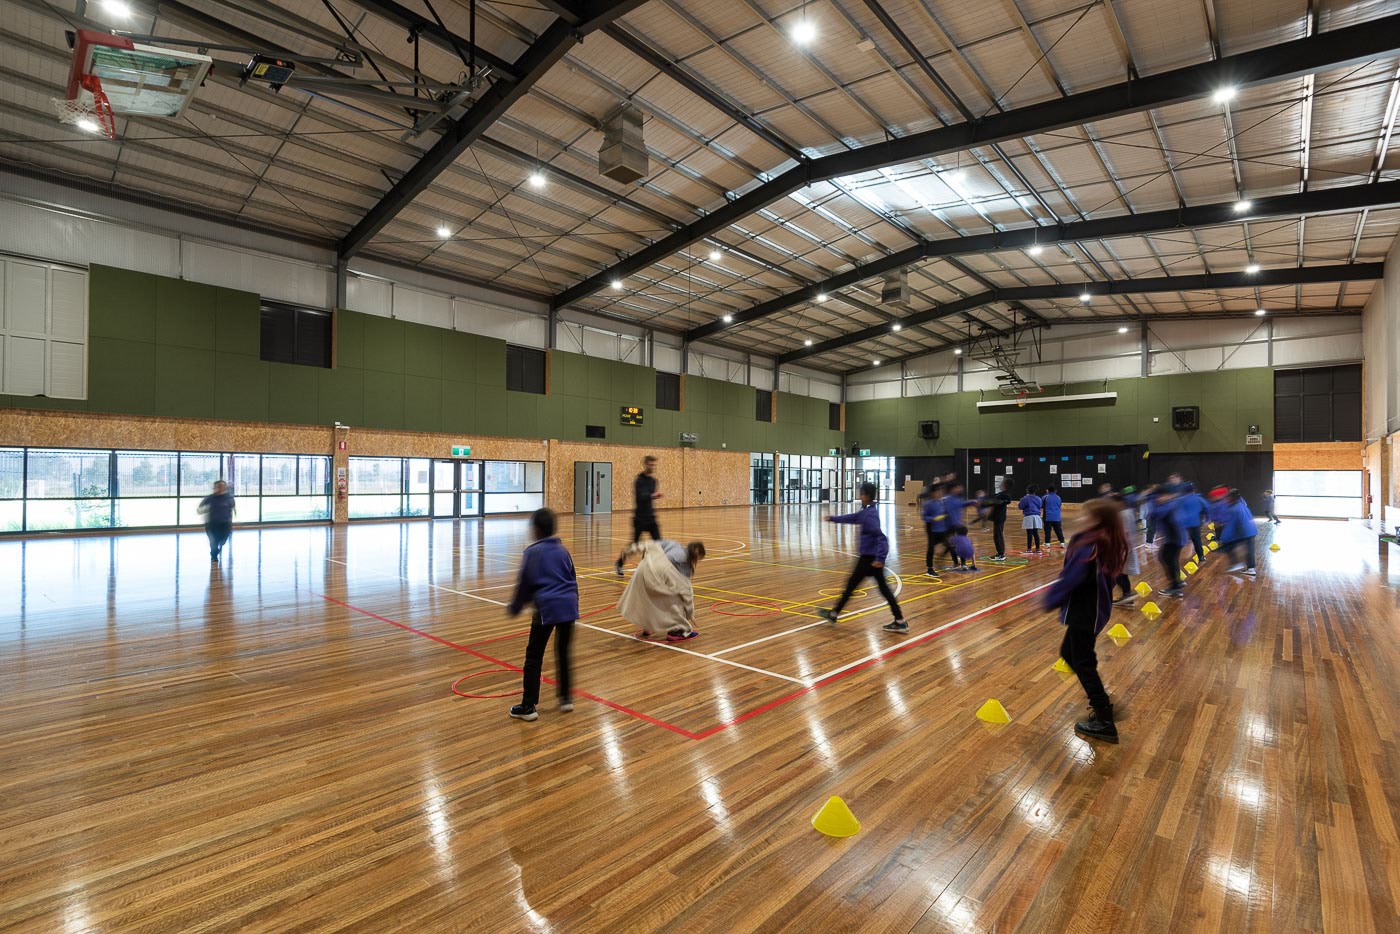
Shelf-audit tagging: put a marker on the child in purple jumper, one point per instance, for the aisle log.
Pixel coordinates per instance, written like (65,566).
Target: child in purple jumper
(964,558)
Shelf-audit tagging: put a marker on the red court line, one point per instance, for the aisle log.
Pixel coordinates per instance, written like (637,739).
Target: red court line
(507,665)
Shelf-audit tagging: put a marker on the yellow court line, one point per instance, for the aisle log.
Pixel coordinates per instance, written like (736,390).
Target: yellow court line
(927,594)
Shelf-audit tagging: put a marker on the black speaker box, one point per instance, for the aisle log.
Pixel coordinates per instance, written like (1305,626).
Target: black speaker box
(928,431)
(1186,417)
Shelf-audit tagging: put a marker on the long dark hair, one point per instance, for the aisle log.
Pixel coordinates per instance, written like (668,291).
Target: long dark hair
(1105,532)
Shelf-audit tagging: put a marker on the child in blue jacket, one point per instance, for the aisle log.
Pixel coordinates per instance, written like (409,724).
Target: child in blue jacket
(1031,506)
(547,580)
(874,548)
(1054,515)
(935,516)
(1237,530)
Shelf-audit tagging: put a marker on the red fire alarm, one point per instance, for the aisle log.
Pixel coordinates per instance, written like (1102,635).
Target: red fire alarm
(342,445)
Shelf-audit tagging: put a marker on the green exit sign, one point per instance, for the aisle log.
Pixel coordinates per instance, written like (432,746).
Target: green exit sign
(833,452)
(461,450)
(865,452)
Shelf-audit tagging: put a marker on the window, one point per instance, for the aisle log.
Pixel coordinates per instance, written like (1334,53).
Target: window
(1323,494)
(524,369)
(393,487)
(761,479)
(595,431)
(668,391)
(295,335)
(833,416)
(513,486)
(763,405)
(58,489)
(43,329)
(1318,404)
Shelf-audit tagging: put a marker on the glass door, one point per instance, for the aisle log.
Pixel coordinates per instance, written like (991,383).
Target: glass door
(444,489)
(469,499)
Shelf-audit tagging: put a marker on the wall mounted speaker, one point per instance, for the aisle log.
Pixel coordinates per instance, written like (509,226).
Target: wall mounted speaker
(1186,417)
(928,431)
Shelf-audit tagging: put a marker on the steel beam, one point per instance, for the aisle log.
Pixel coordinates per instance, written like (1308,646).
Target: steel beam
(1314,202)
(428,29)
(590,15)
(1305,275)
(1335,49)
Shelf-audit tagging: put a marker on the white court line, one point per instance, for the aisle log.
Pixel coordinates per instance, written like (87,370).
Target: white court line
(776,635)
(932,632)
(676,648)
(461,593)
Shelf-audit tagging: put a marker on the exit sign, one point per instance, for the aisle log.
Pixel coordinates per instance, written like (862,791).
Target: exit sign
(865,452)
(461,450)
(833,452)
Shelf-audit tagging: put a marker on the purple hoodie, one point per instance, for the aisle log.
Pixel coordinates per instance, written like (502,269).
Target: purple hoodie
(873,543)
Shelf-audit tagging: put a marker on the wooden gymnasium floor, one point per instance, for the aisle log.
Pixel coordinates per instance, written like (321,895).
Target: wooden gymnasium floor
(275,746)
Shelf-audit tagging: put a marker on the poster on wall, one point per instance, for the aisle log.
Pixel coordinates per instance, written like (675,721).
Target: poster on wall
(1054,469)
(1008,470)
(976,468)
(1103,468)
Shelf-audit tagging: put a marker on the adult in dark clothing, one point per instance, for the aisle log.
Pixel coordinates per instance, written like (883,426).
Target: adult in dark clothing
(1083,594)
(217,509)
(996,512)
(645,491)
(547,579)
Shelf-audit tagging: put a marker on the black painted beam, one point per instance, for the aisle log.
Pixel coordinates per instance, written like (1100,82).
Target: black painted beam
(1310,203)
(1335,49)
(590,15)
(1300,275)
(429,29)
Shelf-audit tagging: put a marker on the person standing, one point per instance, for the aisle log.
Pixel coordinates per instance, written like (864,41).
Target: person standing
(874,548)
(997,504)
(547,579)
(935,515)
(1083,594)
(217,509)
(645,491)
(1269,507)
(1031,506)
(1054,515)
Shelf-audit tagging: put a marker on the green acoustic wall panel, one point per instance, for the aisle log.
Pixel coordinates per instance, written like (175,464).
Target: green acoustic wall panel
(384,344)
(458,406)
(241,387)
(384,399)
(491,410)
(121,304)
(185,314)
(458,355)
(342,396)
(185,381)
(294,394)
(1230,401)
(423,351)
(350,340)
(422,403)
(237,322)
(121,376)
(490,369)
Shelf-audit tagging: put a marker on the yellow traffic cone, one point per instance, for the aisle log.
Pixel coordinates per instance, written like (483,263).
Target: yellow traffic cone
(1143,588)
(1274,547)
(1151,610)
(835,819)
(1062,666)
(1119,631)
(993,712)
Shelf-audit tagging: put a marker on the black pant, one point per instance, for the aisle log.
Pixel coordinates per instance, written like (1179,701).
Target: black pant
(1077,650)
(1247,544)
(1125,583)
(1273,517)
(1195,534)
(865,567)
(999,536)
(1032,539)
(218,533)
(1057,527)
(646,524)
(534,658)
(1170,556)
(935,539)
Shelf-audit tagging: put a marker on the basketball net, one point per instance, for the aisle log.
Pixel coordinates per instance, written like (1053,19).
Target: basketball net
(90,111)
(1021,399)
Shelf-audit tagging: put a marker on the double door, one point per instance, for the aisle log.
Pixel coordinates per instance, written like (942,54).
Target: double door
(592,487)
(456,489)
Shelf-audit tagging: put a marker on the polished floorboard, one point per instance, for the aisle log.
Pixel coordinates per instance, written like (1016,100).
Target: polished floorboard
(275,744)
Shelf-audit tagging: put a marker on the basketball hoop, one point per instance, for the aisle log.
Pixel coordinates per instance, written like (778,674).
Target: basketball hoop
(89,110)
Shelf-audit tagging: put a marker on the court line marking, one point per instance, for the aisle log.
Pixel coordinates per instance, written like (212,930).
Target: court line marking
(933,593)
(406,580)
(676,648)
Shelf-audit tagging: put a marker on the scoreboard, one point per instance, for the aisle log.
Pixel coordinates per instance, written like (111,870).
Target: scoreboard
(631,415)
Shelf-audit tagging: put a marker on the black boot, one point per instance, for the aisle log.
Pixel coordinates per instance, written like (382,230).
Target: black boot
(1099,726)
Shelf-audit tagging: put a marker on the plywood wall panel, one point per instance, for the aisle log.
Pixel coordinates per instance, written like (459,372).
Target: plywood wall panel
(1332,455)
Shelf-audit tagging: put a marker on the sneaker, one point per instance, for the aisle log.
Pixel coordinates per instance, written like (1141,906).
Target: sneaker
(997,558)
(524,712)
(972,568)
(681,636)
(618,568)
(930,573)
(1236,567)
(1251,573)
(1095,728)
(898,625)
(828,615)
(641,634)
(1128,600)
(566,705)
(1173,592)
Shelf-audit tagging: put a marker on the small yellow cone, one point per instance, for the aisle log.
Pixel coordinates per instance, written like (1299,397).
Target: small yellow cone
(1143,588)
(1212,546)
(1062,666)
(1210,536)
(1190,567)
(1151,610)
(835,819)
(1211,526)
(993,712)
(1119,631)
(1274,547)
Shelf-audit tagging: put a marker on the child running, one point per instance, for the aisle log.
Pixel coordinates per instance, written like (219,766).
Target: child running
(964,558)
(1131,566)
(1237,532)
(660,597)
(1173,535)
(1031,506)
(1083,593)
(874,548)
(547,580)
(1269,507)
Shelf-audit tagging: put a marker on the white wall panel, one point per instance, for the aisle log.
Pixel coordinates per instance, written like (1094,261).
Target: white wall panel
(369,296)
(26,298)
(1313,350)
(761,377)
(668,359)
(24,366)
(599,344)
(277,279)
(982,380)
(67,371)
(1118,368)
(517,327)
(68,299)
(862,392)
(828,391)
(420,307)
(65,237)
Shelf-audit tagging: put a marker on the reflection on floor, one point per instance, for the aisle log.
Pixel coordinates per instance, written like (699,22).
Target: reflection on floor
(273,743)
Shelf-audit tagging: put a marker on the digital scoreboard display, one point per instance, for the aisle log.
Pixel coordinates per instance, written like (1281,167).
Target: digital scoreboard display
(631,415)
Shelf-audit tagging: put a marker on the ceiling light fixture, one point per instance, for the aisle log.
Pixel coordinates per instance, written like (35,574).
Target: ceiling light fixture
(714,256)
(808,342)
(116,8)
(537,179)
(1260,313)
(617,283)
(875,362)
(444,231)
(88,125)
(896,326)
(1252,268)
(957,351)
(728,319)
(1085,297)
(955,177)
(804,31)
(821,296)
(1123,330)
(1036,250)
(1224,95)
(1243,205)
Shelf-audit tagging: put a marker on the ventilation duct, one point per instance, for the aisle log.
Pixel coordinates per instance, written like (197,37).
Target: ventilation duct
(623,155)
(895,290)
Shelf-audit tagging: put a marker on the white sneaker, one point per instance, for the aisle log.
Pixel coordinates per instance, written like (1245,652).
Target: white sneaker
(1251,573)
(1236,567)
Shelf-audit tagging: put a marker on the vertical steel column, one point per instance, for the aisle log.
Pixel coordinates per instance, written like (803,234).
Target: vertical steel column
(1144,350)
